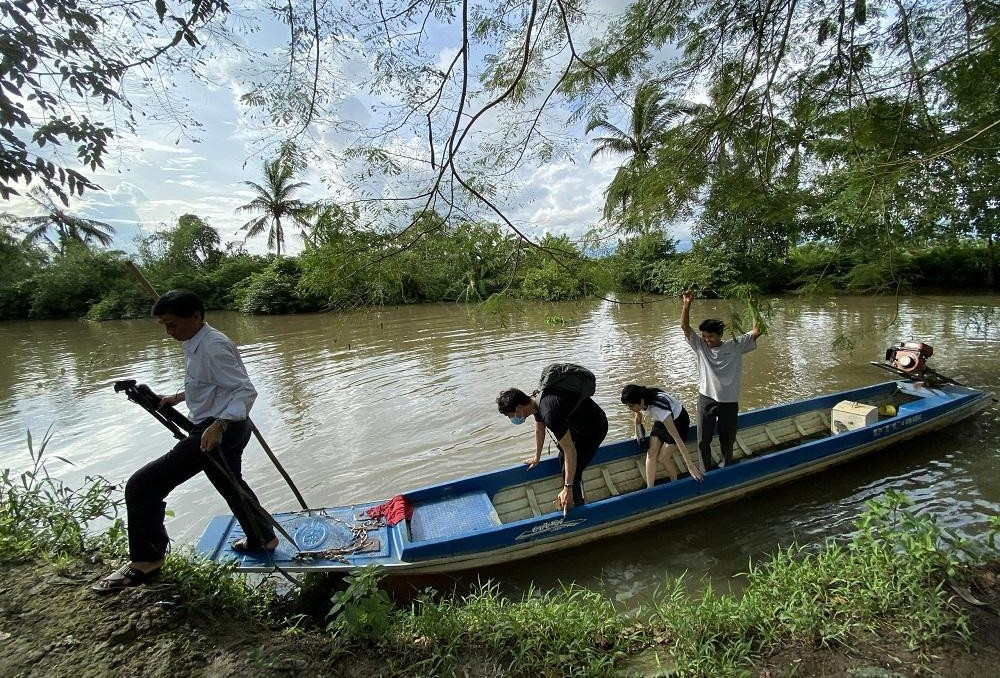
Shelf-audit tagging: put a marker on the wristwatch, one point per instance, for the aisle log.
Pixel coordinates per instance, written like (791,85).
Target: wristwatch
(223,424)
(567,484)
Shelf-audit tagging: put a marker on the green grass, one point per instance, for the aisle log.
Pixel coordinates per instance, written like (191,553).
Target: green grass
(572,632)
(40,516)
(216,588)
(891,576)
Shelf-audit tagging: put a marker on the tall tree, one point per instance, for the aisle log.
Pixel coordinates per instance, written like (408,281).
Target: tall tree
(189,246)
(792,87)
(333,224)
(792,82)
(193,241)
(57,228)
(274,203)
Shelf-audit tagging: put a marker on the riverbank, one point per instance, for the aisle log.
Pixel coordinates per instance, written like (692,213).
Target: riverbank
(52,625)
(902,597)
(480,264)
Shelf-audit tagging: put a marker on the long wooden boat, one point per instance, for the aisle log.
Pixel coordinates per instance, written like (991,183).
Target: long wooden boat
(510,514)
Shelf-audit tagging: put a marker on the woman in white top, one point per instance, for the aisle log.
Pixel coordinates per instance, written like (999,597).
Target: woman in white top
(670,430)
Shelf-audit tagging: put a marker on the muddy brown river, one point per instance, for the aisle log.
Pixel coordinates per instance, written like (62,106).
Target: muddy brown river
(364,405)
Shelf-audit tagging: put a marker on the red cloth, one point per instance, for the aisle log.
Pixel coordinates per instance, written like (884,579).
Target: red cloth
(394,510)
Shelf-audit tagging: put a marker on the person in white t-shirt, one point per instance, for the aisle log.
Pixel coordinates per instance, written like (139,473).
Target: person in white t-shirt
(670,430)
(720,366)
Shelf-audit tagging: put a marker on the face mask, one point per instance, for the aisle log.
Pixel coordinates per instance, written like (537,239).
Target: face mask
(517,420)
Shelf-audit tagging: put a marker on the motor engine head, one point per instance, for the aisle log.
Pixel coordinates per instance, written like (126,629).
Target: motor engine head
(909,357)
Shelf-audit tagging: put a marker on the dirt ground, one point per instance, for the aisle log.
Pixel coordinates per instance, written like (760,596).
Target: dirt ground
(52,625)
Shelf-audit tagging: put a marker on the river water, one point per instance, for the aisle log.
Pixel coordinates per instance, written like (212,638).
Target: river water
(361,406)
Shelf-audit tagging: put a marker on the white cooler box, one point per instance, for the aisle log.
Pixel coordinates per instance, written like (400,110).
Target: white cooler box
(848,415)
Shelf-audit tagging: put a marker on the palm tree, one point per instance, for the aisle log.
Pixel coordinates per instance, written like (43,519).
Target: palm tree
(274,203)
(67,227)
(652,114)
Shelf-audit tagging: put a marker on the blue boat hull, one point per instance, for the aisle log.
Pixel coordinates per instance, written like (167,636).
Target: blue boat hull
(504,515)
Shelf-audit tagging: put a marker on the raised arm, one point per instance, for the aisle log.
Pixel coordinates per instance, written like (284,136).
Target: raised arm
(686,298)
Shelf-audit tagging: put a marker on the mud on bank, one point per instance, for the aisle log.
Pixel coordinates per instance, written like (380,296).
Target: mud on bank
(51,624)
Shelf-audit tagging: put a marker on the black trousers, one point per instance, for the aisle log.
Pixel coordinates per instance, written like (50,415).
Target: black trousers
(711,415)
(148,487)
(585,451)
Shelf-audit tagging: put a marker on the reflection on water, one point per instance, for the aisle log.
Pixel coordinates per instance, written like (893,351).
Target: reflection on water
(365,405)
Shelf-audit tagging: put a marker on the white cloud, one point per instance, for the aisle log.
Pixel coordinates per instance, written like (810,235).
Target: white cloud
(164,173)
(565,197)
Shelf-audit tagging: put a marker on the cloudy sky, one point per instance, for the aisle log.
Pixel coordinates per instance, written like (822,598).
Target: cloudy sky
(149,180)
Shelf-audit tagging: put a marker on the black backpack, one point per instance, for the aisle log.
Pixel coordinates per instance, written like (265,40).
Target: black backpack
(568,378)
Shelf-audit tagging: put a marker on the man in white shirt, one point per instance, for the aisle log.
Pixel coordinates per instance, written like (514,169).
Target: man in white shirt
(219,396)
(720,366)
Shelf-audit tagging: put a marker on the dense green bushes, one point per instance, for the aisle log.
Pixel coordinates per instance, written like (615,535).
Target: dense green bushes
(962,264)
(643,263)
(468,262)
(956,265)
(275,290)
(347,265)
(811,268)
(72,283)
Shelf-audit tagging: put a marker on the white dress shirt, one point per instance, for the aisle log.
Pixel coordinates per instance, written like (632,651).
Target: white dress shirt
(216,382)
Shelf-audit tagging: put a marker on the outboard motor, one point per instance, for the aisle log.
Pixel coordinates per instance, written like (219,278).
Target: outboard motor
(910,357)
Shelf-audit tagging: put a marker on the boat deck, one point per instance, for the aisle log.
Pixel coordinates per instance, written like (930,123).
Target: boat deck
(453,515)
(622,476)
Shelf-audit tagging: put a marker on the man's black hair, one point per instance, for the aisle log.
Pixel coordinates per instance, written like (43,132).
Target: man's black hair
(712,325)
(181,303)
(508,400)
